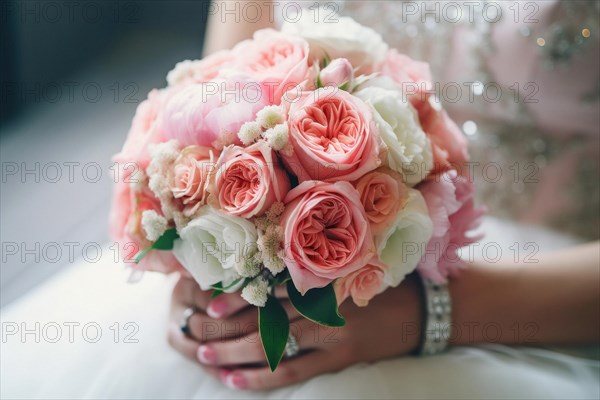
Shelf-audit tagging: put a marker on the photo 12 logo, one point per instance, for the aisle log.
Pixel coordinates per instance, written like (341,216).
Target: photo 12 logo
(69,332)
(468,11)
(273,11)
(71,12)
(70,92)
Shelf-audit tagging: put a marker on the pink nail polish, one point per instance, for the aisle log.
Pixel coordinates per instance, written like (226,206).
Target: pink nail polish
(216,309)
(223,374)
(235,380)
(207,355)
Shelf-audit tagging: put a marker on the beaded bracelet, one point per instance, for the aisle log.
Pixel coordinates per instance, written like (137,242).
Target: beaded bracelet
(437,326)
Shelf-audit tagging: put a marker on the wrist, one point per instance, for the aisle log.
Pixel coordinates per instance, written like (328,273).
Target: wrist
(413,312)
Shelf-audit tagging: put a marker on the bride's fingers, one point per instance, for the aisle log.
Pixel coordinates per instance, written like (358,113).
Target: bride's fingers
(203,328)
(182,343)
(187,347)
(290,310)
(206,329)
(184,273)
(188,293)
(227,305)
(249,349)
(281,292)
(287,373)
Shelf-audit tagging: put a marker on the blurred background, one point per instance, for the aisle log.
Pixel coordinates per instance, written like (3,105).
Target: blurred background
(72,75)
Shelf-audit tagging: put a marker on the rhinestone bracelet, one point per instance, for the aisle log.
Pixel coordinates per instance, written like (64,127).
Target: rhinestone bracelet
(438,318)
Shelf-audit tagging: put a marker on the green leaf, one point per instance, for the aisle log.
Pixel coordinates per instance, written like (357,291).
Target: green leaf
(233,283)
(319,83)
(218,288)
(165,242)
(219,285)
(345,86)
(274,327)
(319,305)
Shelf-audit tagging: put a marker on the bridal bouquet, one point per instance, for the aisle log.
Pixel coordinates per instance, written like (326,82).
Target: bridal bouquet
(312,157)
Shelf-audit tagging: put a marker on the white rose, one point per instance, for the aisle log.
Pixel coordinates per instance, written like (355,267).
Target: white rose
(402,246)
(338,37)
(214,246)
(409,149)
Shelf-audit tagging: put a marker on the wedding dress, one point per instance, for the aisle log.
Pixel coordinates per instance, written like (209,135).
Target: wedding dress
(99,337)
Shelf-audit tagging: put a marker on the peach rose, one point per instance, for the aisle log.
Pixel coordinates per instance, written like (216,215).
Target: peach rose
(192,171)
(249,180)
(383,195)
(277,60)
(333,137)
(362,285)
(449,146)
(326,233)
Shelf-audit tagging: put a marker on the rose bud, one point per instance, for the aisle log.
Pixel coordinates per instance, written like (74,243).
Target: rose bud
(337,73)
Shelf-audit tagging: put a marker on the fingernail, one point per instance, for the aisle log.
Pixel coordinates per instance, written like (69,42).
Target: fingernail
(217,308)
(207,355)
(235,380)
(223,374)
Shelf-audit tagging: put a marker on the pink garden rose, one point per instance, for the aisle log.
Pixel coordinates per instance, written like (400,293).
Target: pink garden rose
(326,233)
(277,60)
(249,180)
(333,137)
(129,202)
(145,130)
(383,195)
(449,198)
(210,114)
(362,285)
(192,170)
(131,195)
(339,72)
(448,144)
(413,77)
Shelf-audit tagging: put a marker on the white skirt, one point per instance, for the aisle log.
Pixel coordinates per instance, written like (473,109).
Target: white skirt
(86,333)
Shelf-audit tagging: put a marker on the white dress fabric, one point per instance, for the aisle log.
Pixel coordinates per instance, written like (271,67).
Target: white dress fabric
(113,367)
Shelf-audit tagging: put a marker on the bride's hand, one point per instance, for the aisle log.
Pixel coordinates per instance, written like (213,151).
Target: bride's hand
(224,338)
